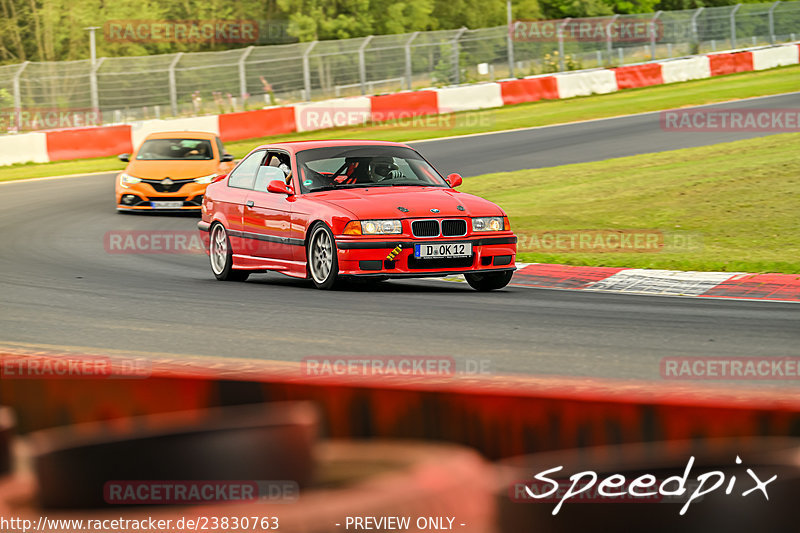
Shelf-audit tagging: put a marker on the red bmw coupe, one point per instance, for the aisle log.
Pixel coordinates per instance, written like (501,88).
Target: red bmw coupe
(326,210)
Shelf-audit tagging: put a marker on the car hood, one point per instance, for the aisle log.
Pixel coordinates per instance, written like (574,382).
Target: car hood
(383,202)
(171,169)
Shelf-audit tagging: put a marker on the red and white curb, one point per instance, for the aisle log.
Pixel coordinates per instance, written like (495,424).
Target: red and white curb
(774,287)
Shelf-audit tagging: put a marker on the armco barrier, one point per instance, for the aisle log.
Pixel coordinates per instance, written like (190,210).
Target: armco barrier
(88,142)
(776,56)
(24,148)
(469,97)
(730,63)
(529,90)
(350,111)
(328,114)
(403,105)
(634,76)
(142,129)
(691,68)
(499,417)
(254,124)
(579,83)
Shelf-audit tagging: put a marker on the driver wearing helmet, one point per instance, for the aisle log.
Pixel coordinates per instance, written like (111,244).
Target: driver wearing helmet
(383,168)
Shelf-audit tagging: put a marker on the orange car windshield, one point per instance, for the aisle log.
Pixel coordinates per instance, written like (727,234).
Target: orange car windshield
(175,149)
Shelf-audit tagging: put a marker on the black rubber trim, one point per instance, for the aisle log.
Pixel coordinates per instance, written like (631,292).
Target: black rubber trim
(266,238)
(423,274)
(500,260)
(368,245)
(203,226)
(370,265)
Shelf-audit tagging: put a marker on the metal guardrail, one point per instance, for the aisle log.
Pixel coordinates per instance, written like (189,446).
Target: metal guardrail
(188,84)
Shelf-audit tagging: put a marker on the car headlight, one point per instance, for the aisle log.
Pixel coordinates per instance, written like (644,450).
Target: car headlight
(205,179)
(373,227)
(127,179)
(487,224)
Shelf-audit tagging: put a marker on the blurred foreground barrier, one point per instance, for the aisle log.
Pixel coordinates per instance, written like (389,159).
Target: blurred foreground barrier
(719,502)
(374,479)
(7,427)
(257,442)
(501,416)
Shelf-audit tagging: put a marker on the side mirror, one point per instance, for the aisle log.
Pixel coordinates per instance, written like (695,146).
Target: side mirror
(454,180)
(226,157)
(124,157)
(279,187)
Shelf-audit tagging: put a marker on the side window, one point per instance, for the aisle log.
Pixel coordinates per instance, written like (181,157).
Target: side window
(243,176)
(267,174)
(220,148)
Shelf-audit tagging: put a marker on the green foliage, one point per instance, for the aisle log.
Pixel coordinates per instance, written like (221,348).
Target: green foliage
(54,30)
(6,100)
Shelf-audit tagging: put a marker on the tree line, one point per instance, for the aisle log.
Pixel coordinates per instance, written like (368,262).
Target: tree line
(55,30)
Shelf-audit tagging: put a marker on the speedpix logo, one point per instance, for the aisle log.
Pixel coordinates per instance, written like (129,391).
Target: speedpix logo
(617,486)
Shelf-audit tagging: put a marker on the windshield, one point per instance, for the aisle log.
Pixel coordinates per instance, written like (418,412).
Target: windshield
(171,149)
(364,166)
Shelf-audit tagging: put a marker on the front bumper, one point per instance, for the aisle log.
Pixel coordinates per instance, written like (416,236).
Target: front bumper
(138,197)
(395,259)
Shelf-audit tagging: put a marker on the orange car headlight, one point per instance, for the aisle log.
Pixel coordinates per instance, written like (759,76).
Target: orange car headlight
(127,179)
(205,179)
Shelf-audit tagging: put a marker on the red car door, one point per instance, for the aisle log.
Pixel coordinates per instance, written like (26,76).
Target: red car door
(267,217)
(232,203)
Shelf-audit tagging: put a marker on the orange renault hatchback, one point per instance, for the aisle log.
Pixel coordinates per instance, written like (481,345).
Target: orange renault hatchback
(170,171)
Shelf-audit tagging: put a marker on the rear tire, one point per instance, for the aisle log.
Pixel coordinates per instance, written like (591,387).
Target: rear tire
(221,255)
(489,281)
(323,265)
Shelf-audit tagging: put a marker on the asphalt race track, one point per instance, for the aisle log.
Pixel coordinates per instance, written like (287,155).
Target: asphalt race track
(62,290)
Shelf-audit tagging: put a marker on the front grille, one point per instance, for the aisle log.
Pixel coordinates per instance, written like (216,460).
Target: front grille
(425,228)
(454,228)
(440,262)
(175,186)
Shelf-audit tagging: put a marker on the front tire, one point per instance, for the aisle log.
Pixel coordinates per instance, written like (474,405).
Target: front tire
(323,265)
(489,281)
(221,256)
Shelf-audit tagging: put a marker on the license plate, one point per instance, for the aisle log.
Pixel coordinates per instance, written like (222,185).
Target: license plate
(443,249)
(166,205)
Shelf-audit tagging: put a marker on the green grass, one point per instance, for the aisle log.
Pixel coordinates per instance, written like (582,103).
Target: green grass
(718,89)
(742,199)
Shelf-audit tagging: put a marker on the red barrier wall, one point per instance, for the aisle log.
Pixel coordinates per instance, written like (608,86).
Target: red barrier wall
(730,63)
(499,417)
(529,90)
(393,106)
(253,124)
(88,142)
(638,76)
